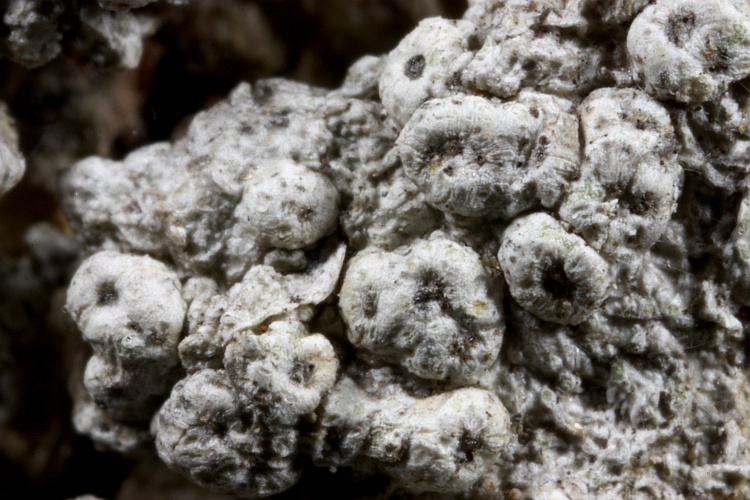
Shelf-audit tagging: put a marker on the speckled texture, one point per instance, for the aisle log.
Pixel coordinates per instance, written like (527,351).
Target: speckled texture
(247,414)
(439,443)
(129,309)
(690,51)
(507,260)
(427,64)
(432,308)
(477,157)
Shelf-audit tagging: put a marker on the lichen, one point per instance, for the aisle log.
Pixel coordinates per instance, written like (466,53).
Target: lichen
(508,258)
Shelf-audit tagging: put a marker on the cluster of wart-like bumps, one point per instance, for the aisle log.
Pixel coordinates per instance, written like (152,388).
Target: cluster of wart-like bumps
(511,256)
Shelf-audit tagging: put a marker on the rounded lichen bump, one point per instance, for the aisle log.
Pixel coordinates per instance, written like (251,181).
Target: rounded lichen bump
(481,157)
(508,259)
(550,272)
(431,308)
(691,50)
(129,309)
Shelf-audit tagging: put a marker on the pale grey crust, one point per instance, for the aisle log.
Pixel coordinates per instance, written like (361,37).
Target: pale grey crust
(715,137)
(481,158)
(514,264)
(209,201)
(284,206)
(132,440)
(390,213)
(215,317)
(529,45)
(442,443)
(427,64)
(630,178)
(129,309)
(247,415)
(550,272)
(432,309)
(690,51)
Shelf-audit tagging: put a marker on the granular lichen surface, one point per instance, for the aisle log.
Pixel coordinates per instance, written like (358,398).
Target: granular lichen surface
(511,257)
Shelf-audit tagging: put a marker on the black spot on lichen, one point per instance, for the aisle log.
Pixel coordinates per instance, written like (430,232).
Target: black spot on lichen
(679,27)
(467,447)
(462,345)
(440,148)
(557,283)
(132,325)
(529,65)
(431,288)
(247,420)
(665,405)
(717,57)
(541,152)
(636,204)
(263,91)
(370,304)
(280,119)
(451,146)
(305,214)
(219,428)
(640,122)
(523,153)
(301,372)
(414,67)
(454,82)
(106,293)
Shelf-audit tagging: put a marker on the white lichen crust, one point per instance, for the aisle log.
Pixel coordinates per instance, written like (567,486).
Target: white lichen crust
(432,308)
(284,206)
(630,179)
(426,64)
(442,443)
(550,272)
(130,311)
(691,50)
(254,372)
(108,434)
(536,45)
(246,416)
(476,157)
(509,259)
